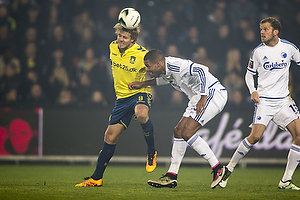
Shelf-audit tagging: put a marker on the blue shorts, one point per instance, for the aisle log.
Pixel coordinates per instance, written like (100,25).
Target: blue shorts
(124,108)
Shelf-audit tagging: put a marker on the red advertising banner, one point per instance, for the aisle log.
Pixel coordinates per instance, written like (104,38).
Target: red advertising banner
(20,131)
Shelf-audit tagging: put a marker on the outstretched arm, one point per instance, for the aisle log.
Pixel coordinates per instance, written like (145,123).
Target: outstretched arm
(138,85)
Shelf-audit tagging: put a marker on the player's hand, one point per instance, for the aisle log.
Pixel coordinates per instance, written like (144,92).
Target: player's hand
(255,97)
(200,107)
(135,85)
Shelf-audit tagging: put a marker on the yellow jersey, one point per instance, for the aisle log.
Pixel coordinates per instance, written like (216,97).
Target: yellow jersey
(127,68)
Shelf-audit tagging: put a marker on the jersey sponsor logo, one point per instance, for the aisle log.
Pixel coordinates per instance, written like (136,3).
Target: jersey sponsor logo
(270,65)
(124,67)
(132,59)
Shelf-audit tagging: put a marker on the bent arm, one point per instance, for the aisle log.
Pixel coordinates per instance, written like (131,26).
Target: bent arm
(200,106)
(138,85)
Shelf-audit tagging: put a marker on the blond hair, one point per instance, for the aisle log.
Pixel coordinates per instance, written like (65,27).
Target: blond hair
(134,33)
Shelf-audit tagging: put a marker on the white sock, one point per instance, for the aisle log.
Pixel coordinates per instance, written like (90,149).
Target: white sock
(292,163)
(178,151)
(239,153)
(202,148)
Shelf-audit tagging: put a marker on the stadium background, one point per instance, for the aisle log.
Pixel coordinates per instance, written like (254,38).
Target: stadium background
(54,56)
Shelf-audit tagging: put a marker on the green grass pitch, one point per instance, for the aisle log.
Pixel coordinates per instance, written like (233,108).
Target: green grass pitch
(52,182)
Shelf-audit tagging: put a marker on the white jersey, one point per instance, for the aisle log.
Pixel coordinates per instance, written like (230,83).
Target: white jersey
(272,64)
(195,80)
(188,77)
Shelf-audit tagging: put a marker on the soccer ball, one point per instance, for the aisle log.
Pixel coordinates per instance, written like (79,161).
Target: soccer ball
(129,18)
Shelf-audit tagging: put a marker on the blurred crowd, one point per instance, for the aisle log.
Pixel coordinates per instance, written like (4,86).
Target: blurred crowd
(55,52)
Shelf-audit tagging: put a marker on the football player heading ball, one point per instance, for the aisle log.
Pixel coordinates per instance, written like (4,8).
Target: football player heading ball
(127,62)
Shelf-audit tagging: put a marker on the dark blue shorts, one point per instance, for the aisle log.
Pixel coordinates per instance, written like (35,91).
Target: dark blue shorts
(124,108)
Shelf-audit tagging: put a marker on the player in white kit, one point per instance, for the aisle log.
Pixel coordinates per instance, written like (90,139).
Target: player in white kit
(271,62)
(207,98)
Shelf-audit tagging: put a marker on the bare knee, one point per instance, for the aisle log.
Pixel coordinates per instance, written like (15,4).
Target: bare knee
(297,140)
(252,139)
(141,113)
(256,133)
(186,135)
(110,138)
(112,133)
(177,132)
(189,130)
(142,117)
(294,129)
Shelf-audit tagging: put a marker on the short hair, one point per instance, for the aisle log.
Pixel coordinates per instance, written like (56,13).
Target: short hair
(134,33)
(154,55)
(275,23)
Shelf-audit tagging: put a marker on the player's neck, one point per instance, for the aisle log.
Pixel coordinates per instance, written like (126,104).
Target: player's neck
(273,42)
(122,51)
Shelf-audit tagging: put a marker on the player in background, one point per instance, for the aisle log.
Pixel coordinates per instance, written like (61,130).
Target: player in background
(127,66)
(271,62)
(207,98)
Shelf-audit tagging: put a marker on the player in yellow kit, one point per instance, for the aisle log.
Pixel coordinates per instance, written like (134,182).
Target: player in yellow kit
(127,60)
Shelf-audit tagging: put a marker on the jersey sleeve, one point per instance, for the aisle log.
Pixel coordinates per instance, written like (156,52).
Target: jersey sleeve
(201,72)
(249,79)
(296,56)
(161,81)
(253,61)
(252,64)
(251,71)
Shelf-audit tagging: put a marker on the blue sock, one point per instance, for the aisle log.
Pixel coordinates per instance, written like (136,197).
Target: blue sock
(105,155)
(149,135)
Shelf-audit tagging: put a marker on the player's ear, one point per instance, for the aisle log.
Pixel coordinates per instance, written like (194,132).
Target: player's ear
(276,32)
(158,63)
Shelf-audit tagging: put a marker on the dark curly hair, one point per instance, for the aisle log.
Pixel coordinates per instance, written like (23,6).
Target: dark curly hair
(275,23)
